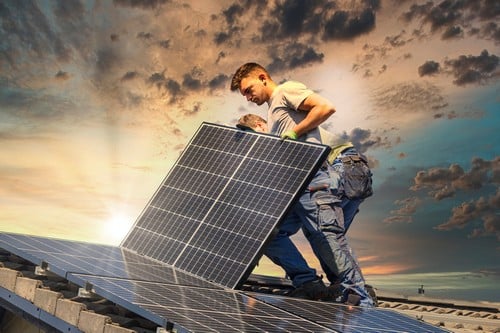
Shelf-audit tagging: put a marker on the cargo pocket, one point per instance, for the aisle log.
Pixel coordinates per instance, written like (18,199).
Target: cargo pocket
(330,215)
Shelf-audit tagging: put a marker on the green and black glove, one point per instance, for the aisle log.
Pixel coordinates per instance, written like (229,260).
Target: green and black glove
(289,135)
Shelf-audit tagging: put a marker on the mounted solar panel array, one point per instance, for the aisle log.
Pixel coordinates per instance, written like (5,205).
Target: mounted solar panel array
(222,200)
(199,309)
(349,319)
(200,236)
(63,257)
(224,310)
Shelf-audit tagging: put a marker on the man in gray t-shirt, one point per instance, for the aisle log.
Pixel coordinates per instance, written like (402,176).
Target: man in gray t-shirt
(295,112)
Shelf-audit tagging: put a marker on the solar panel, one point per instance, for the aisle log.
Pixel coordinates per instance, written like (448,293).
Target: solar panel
(65,256)
(209,221)
(349,319)
(198,309)
(224,310)
(222,200)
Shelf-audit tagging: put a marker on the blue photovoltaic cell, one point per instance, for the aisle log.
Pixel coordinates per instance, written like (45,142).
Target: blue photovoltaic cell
(222,200)
(64,256)
(349,319)
(198,309)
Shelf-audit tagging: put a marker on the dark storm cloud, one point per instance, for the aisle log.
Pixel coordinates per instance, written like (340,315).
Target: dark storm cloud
(447,12)
(25,27)
(157,79)
(474,114)
(193,79)
(417,11)
(142,4)
(363,140)
(473,211)
(61,75)
(491,31)
(294,21)
(232,12)
(408,207)
(452,32)
(396,40)
(347,25)
(444,182)
(417,97)
(293,55)
(168,85)
(449,17)
(487,9)
(164,43)
(226,36)
(294,17)
(174,89)
(372,53)
(147,36)
(428,68)
(107,59)
(218,81)
(473,69)
(129,76)
(191,83)
(465,69)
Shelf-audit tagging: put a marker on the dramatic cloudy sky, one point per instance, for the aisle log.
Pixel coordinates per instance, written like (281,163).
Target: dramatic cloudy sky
(97,99)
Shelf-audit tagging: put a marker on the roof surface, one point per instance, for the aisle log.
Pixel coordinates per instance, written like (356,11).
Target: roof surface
(67,308)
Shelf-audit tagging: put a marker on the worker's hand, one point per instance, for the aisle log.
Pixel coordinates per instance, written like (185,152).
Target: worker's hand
(289,135)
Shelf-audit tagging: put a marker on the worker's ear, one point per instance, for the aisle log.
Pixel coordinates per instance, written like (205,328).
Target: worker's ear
(262,77)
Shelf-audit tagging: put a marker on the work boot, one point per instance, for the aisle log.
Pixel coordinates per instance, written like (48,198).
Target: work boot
(353,299)
(313,290)
(335,292)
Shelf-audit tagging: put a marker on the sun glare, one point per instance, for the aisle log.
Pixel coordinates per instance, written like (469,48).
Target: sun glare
(116,228)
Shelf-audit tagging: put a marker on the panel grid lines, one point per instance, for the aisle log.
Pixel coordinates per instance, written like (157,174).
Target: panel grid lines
(204,309)
(349,319)
(237,164)
(221,201)
(65,256)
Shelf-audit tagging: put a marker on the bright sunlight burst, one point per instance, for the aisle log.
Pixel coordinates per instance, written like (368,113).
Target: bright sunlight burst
(116,228)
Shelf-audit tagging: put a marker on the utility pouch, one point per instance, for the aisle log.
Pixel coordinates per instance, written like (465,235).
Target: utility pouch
(357,177)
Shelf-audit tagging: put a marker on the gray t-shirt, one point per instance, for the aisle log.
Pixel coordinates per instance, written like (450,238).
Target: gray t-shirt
(284,113)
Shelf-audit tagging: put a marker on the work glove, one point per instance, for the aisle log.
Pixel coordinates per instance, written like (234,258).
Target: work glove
(289,135)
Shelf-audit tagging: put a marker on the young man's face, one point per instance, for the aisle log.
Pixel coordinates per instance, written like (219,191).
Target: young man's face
(253,89)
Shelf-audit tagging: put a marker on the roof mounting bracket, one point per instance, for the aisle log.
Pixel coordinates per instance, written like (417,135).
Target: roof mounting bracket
(87,291)
(43,269)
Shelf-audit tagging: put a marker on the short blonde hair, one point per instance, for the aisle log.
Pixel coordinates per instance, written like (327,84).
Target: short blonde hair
(251,120)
